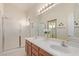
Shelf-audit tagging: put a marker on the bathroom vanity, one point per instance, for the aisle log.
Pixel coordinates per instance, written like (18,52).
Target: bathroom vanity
(41,46)
(33,50)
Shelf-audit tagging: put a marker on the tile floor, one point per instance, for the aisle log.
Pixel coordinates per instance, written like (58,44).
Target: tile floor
(14,52)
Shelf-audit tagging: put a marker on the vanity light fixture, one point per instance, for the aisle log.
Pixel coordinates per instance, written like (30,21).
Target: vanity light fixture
(25,22)
(50,26)
(61,24)
(46,7)
(53,26)
(75,22)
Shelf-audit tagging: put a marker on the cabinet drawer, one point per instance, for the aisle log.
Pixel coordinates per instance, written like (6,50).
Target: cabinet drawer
(43,53)
(34,52)
(35,47)
(29,50)
(28,42)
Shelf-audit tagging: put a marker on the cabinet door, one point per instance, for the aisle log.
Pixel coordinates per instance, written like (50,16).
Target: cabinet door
(28,50)
(43,53)
(35,47)
(35,52)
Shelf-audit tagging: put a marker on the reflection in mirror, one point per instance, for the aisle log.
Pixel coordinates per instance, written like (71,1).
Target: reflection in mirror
(61,17)
(51,25)
(76,20)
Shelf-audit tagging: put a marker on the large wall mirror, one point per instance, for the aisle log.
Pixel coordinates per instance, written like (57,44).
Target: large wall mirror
(61,21)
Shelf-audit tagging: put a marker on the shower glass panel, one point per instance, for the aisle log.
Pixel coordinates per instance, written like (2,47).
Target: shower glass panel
(11,33)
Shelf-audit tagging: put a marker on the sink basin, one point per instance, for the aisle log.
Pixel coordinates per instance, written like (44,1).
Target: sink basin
(60,48)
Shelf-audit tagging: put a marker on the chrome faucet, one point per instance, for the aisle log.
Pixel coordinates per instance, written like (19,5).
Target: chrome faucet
(64,44)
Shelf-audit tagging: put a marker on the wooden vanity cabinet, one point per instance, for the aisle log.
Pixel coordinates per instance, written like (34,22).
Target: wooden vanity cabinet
(33,50)
(43,53)
(28,48)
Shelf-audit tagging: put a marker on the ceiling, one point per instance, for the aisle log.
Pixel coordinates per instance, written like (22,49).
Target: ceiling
(26,8)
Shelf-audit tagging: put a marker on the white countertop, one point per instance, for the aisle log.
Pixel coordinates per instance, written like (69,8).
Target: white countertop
(54,46)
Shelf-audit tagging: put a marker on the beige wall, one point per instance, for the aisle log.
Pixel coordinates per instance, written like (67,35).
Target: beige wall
(1,13)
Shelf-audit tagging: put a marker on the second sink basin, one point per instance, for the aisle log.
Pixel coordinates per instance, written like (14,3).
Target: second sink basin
(60,48)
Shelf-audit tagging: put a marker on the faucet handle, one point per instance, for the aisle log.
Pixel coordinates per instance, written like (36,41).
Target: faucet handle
(64,44)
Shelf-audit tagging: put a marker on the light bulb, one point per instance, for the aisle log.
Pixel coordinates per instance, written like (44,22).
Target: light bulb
(53,26)
(24,22)
(27,23)
(50,26)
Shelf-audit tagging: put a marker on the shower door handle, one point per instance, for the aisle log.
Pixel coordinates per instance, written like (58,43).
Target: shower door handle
(19,40)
